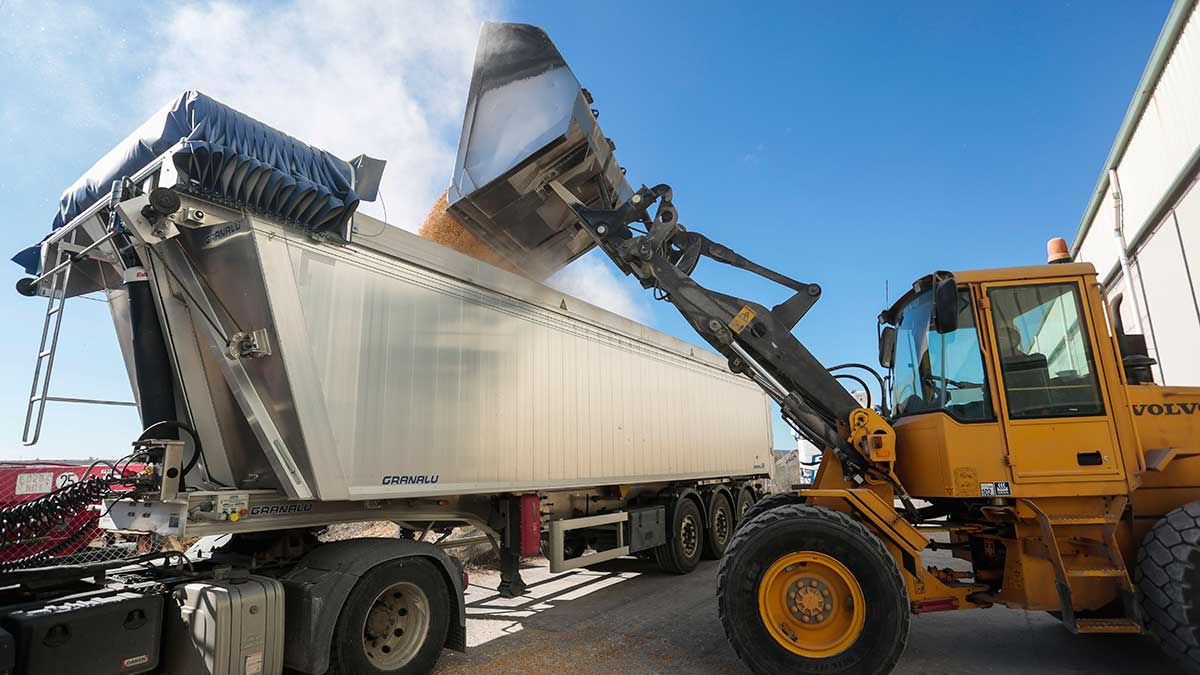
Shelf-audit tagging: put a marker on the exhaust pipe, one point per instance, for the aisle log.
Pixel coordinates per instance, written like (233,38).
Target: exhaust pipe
(527,123)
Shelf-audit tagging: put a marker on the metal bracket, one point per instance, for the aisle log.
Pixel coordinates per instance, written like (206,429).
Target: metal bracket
(133,218)
(558,528)
(81,252)
(254,344)
(172,465)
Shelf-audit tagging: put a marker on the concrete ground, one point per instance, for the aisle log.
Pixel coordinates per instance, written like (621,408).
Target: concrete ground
(627,617)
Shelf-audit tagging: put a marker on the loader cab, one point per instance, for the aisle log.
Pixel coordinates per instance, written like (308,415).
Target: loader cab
(1013,395)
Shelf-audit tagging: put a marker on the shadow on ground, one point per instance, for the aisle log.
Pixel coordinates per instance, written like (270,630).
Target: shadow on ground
(625,616)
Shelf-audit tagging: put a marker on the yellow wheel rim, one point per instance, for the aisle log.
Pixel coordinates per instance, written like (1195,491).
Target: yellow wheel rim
(811,604)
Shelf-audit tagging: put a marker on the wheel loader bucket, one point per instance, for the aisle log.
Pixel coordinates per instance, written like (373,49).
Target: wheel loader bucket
(528,122)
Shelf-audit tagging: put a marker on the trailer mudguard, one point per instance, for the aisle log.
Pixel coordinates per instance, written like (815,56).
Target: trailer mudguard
(317,588)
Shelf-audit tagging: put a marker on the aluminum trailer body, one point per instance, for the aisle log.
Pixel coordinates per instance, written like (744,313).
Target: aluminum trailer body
(400,368)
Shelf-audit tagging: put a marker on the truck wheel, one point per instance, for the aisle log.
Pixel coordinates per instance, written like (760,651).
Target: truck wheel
(681,553)
(1168,580)
(745,500)
(719,528)
(804,589)
(394,621)
(767,503)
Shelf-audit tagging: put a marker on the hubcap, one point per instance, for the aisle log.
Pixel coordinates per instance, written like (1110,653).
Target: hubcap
(395,626)
(811,604)
(689,534)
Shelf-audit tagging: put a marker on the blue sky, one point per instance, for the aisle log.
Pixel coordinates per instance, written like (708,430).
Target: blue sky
(848,144)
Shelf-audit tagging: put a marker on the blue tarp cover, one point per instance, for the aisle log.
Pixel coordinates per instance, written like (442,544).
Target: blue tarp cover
(227,156)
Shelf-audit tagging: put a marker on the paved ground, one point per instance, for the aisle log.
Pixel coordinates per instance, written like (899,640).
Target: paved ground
(627,617)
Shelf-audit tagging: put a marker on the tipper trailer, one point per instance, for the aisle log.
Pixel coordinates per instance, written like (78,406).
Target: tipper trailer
(298,364)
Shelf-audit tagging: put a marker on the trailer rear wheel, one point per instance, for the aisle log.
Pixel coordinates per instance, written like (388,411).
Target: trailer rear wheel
(804,589)
(745,499)
(394,621)
(719,527)
(681,553)
(1168,580)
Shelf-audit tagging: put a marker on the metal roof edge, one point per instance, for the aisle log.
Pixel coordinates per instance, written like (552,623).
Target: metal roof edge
(1181,11)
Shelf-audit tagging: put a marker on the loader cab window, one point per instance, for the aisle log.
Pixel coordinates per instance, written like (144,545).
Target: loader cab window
(939,372)
(1045,357)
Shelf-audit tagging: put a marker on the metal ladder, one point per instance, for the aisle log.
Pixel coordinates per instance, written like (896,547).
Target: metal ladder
(1103,531)
(60,277)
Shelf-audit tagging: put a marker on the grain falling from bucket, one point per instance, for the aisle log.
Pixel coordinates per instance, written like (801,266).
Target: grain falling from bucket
(441,227)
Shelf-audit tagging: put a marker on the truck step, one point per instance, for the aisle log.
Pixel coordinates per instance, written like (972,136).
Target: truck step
(1108,626)
(1065,520)
(1095,571)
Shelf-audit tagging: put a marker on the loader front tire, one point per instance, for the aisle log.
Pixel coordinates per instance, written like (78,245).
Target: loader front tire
(804,589)
(1168,584)
(766,504)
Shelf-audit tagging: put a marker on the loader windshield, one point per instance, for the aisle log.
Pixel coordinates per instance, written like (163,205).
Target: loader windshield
(939,372)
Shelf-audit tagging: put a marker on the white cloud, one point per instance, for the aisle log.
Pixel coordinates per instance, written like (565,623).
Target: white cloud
(594,279)
(385,79)
(382,78)
(388,79)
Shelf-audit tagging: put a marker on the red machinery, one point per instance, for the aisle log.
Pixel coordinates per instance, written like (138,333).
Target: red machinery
(24,481)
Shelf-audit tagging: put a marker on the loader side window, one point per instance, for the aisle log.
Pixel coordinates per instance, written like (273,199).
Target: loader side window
(939,372)
(1045,357)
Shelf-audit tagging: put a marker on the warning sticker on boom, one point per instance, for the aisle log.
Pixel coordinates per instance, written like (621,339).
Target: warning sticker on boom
(742,320)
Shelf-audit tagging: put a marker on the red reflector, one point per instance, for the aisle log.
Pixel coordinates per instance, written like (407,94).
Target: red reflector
(938,605)
(877,442)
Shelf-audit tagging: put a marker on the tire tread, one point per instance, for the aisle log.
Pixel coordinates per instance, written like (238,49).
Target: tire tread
(1168,579)
(790,511)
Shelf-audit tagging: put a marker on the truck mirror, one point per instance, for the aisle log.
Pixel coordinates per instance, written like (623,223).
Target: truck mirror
(887,346)
(945,305)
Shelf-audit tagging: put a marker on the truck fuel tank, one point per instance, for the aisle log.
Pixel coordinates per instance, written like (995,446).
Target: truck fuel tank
(528,122)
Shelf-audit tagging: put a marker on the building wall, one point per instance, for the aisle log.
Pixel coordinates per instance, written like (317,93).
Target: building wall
(1157,159)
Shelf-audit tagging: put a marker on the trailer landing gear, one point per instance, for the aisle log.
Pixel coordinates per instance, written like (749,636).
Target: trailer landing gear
(511,583)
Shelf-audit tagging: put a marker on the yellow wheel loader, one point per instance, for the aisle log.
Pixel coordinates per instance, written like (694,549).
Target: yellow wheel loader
(1019,427)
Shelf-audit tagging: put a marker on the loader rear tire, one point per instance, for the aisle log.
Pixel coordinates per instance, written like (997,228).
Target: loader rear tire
(1168,584)
(804,589)
(681,553)
(766,504)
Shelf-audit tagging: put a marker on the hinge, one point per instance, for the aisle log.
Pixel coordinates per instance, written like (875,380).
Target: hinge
(250,345)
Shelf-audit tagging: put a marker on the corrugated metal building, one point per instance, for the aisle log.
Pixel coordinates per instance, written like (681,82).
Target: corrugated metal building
(1149,179)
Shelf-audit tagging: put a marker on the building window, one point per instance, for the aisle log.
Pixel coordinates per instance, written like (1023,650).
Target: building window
(1045,358)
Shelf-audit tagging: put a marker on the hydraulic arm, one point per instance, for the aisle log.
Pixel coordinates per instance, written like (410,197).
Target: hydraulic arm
(758,342)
